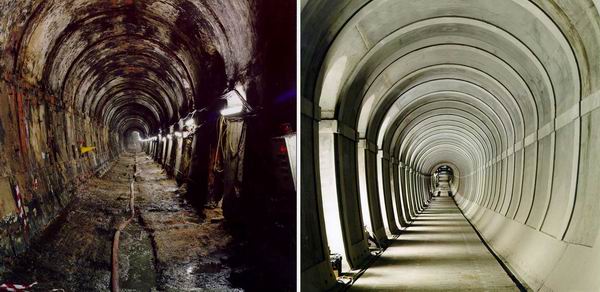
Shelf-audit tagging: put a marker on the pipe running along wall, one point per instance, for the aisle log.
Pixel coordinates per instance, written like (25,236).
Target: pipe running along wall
(82,73)
(506,93)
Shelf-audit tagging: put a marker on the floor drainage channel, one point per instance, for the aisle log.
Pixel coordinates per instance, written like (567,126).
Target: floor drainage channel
(134,268)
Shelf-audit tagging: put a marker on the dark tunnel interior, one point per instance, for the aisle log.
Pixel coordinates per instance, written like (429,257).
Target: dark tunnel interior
(199,95)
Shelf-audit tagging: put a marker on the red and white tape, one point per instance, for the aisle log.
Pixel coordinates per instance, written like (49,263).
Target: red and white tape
(16,287)
(20,206)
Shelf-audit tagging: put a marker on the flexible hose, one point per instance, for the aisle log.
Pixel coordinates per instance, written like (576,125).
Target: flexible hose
(115,247)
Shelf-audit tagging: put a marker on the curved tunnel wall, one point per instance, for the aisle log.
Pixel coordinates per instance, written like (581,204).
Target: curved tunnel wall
(88,73)
(505,92)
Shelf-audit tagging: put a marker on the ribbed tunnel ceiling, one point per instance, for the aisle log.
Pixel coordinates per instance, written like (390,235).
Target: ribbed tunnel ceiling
(200,95)
(128,64)
(396,61)
(499,90)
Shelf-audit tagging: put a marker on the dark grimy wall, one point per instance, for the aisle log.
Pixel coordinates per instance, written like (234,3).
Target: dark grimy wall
(40,156)
(88,73)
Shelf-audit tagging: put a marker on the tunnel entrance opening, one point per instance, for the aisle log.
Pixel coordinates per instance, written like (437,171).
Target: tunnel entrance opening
(132,141)
(443,177)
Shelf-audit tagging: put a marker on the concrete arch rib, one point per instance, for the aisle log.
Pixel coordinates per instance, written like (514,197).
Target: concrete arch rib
(460,73)
(499,87)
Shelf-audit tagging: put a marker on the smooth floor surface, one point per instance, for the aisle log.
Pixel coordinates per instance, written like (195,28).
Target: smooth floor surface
(440,251)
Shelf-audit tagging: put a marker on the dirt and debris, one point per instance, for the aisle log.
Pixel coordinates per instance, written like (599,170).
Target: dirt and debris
(170,246)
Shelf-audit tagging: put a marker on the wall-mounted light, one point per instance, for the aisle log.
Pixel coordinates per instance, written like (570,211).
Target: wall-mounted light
(190,123)
(236,102)
(230,111)
(233,105)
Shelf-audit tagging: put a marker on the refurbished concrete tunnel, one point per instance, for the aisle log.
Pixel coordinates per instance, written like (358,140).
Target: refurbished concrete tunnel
(503,95)
(193,99)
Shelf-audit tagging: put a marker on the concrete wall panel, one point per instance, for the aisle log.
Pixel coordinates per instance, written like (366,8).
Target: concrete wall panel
(395,180)
(543,182)
(383,174)
(311,241)
(354,236)
(503,80)
(508,190)
(584,225)
(563,181)
(517,185)
(375,213)
(529,178)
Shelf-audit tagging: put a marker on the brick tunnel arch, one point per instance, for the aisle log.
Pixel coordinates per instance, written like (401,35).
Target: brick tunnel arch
(500,90)
(79,77)
(109,61)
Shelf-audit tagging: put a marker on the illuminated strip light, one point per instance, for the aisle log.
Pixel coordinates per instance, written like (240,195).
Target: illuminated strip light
(148,139)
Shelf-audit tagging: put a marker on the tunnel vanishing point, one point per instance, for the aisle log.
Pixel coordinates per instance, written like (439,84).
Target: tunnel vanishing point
(409,106)
(193,101)
(445,145)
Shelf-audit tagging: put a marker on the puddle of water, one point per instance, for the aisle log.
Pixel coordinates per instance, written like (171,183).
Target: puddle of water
(209,275)
(136,260)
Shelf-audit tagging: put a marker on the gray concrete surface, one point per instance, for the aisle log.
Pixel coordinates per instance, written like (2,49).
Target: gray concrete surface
(440,251)
(507,93)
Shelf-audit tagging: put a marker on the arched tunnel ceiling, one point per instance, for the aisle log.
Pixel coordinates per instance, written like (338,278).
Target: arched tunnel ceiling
(505,92)
(385,66)
(126,63)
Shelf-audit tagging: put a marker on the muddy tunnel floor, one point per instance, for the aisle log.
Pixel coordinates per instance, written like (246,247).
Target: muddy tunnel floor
(170,246)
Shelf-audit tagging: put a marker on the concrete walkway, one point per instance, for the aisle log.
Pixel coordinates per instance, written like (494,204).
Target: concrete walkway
(440,251)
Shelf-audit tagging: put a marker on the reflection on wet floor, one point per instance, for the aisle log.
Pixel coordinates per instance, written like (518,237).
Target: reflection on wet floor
(440,251)
(136,260)
(170,246)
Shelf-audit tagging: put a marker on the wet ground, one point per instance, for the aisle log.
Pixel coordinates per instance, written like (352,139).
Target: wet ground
(170,246)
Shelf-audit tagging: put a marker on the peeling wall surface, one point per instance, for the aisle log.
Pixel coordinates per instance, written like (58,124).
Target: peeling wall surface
(90,73)
(506,93)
